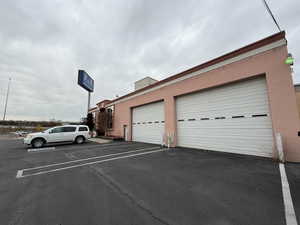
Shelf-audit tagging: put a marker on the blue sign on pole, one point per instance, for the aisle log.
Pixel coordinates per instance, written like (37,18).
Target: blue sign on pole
(85,81)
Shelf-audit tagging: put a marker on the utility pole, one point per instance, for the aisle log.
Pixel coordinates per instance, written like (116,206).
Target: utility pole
(6,99)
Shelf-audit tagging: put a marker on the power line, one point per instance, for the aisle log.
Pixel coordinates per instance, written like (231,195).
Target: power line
(271,14)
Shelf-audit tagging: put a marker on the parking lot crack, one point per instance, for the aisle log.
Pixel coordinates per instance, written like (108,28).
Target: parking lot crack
(109,181)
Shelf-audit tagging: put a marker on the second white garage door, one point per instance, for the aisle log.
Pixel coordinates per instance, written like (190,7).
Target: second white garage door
(233,118)
(148,123)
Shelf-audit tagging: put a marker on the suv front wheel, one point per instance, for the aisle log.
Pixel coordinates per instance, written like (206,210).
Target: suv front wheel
(38,143)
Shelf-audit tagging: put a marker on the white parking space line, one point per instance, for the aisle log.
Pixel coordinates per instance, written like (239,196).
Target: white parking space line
(88,147)
(82,160)
(40,149)
(89,163)
(290,215)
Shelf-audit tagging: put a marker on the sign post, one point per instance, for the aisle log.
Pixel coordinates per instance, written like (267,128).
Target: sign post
(85,81)
(89,102)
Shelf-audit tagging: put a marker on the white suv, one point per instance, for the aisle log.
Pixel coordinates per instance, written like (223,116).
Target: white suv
(68,133)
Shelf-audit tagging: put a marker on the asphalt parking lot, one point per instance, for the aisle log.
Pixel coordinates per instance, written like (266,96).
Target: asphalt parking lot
(135,183)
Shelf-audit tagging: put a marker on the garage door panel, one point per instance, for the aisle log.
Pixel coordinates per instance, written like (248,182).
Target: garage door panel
(227,110)
(148,123)
(233,146)
(221,99)
(244,124)
(210,105)
(209,119)
(224,138)
(221,95)
(226,143)
(148,134)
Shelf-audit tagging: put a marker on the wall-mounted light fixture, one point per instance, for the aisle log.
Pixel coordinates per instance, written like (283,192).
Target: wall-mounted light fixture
(289,60)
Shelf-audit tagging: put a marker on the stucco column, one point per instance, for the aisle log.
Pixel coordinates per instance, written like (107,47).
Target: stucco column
(170,121)
(129,125)
(282,99)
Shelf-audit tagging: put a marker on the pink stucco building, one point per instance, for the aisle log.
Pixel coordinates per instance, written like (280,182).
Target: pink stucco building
(240,103)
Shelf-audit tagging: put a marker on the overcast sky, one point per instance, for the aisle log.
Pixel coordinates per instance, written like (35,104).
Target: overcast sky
(44,43)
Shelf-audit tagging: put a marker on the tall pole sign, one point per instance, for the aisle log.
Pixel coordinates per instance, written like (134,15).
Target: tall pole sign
(85,81)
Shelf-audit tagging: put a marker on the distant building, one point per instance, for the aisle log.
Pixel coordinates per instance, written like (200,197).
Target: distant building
(144,83)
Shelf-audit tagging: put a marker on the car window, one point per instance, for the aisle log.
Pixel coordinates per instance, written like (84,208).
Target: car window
(69,129)
(83,129)
(57,130)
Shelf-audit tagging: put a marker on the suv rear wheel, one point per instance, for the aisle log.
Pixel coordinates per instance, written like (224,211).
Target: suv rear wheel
(38,143)
(79,140)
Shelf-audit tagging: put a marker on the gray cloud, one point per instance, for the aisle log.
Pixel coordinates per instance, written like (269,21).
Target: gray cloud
(44,43)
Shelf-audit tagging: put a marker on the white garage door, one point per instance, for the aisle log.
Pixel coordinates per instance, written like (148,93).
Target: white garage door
(148,123)
(233,118)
